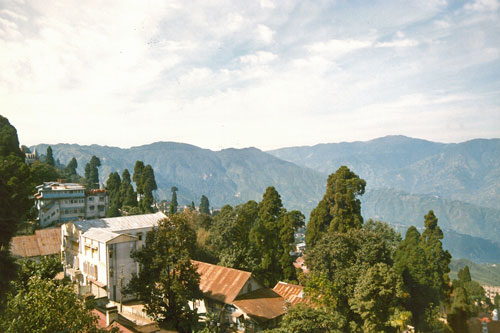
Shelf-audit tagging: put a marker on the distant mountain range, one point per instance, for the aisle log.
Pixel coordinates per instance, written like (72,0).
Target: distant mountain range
(468,171)
(405,178)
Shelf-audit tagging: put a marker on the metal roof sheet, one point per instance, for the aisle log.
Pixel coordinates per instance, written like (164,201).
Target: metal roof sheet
(117,224)
(100,235)
(221,283)
(261,304)
(44,242)
(292,293)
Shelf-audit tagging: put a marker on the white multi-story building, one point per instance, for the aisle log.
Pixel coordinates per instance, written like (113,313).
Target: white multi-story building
(96,253)
(62,202)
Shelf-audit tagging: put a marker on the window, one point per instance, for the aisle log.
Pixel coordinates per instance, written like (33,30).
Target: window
(139,236)
(91,207)
(91,198)
(110,253)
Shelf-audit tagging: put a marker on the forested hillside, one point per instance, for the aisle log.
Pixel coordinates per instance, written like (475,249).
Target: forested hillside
(468,171)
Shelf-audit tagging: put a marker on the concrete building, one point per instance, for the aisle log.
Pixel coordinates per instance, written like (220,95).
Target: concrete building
(59,202)
(96,253)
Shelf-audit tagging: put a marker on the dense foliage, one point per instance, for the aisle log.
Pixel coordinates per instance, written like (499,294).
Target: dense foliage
(167,279)
(15,188)
(340,208)
(37,303)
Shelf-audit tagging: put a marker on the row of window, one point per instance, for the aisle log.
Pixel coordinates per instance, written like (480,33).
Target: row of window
(72,211)
(101,198)
(73,201)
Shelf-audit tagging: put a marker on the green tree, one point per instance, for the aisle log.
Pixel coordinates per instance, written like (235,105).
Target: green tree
(318,224)
(137,177)
(437,257)
(47,306)
(127,193)
(337,263)
(46,268)
(457,317)
(464,275)
(173,202)
(305,319)
(340,208)
(92,172)
(167,279)
(49,159)
(289,223)
(229,238)
(148,186)
(265,237)
(113,187)
(43,172)
(475,294)
(71,167)
(204,205)
(377,295)
(424,266)
(412,264)
(14,204)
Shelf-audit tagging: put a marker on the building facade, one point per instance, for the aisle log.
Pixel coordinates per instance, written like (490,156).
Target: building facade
(59,202)
(96,253)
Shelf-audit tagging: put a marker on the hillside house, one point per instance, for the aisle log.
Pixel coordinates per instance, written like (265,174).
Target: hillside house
(62,202)
(96,253)
(238,298)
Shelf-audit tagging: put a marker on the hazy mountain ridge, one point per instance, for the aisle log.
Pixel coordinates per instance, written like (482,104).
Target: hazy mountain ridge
(409,209)
(233,176)
(468,171)
(230,176)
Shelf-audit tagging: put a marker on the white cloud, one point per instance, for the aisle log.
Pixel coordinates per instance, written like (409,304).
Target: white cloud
(483,5)
(260,57)
(335,48)
(398,43)
(267,4)
(237,74)
(265,34)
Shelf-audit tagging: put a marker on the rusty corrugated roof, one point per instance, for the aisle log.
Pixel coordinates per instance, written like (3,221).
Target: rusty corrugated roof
(221,283)
(292,293)
(44,242)
(261,304)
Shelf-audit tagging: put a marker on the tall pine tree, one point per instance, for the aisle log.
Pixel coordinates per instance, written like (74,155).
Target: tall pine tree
(204,205)
(173,202)
(49,159)
(340,208)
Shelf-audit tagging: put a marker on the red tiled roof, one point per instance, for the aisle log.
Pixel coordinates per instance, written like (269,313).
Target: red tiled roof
(292,293)
(44,242)
(221,283)
(261,304)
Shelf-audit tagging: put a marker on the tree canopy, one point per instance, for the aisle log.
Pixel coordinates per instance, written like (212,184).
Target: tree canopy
(204,205)
(49,159)
(167,279)
(15,188)
(340,208)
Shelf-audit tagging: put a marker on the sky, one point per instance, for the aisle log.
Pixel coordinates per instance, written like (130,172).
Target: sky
(262,73)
